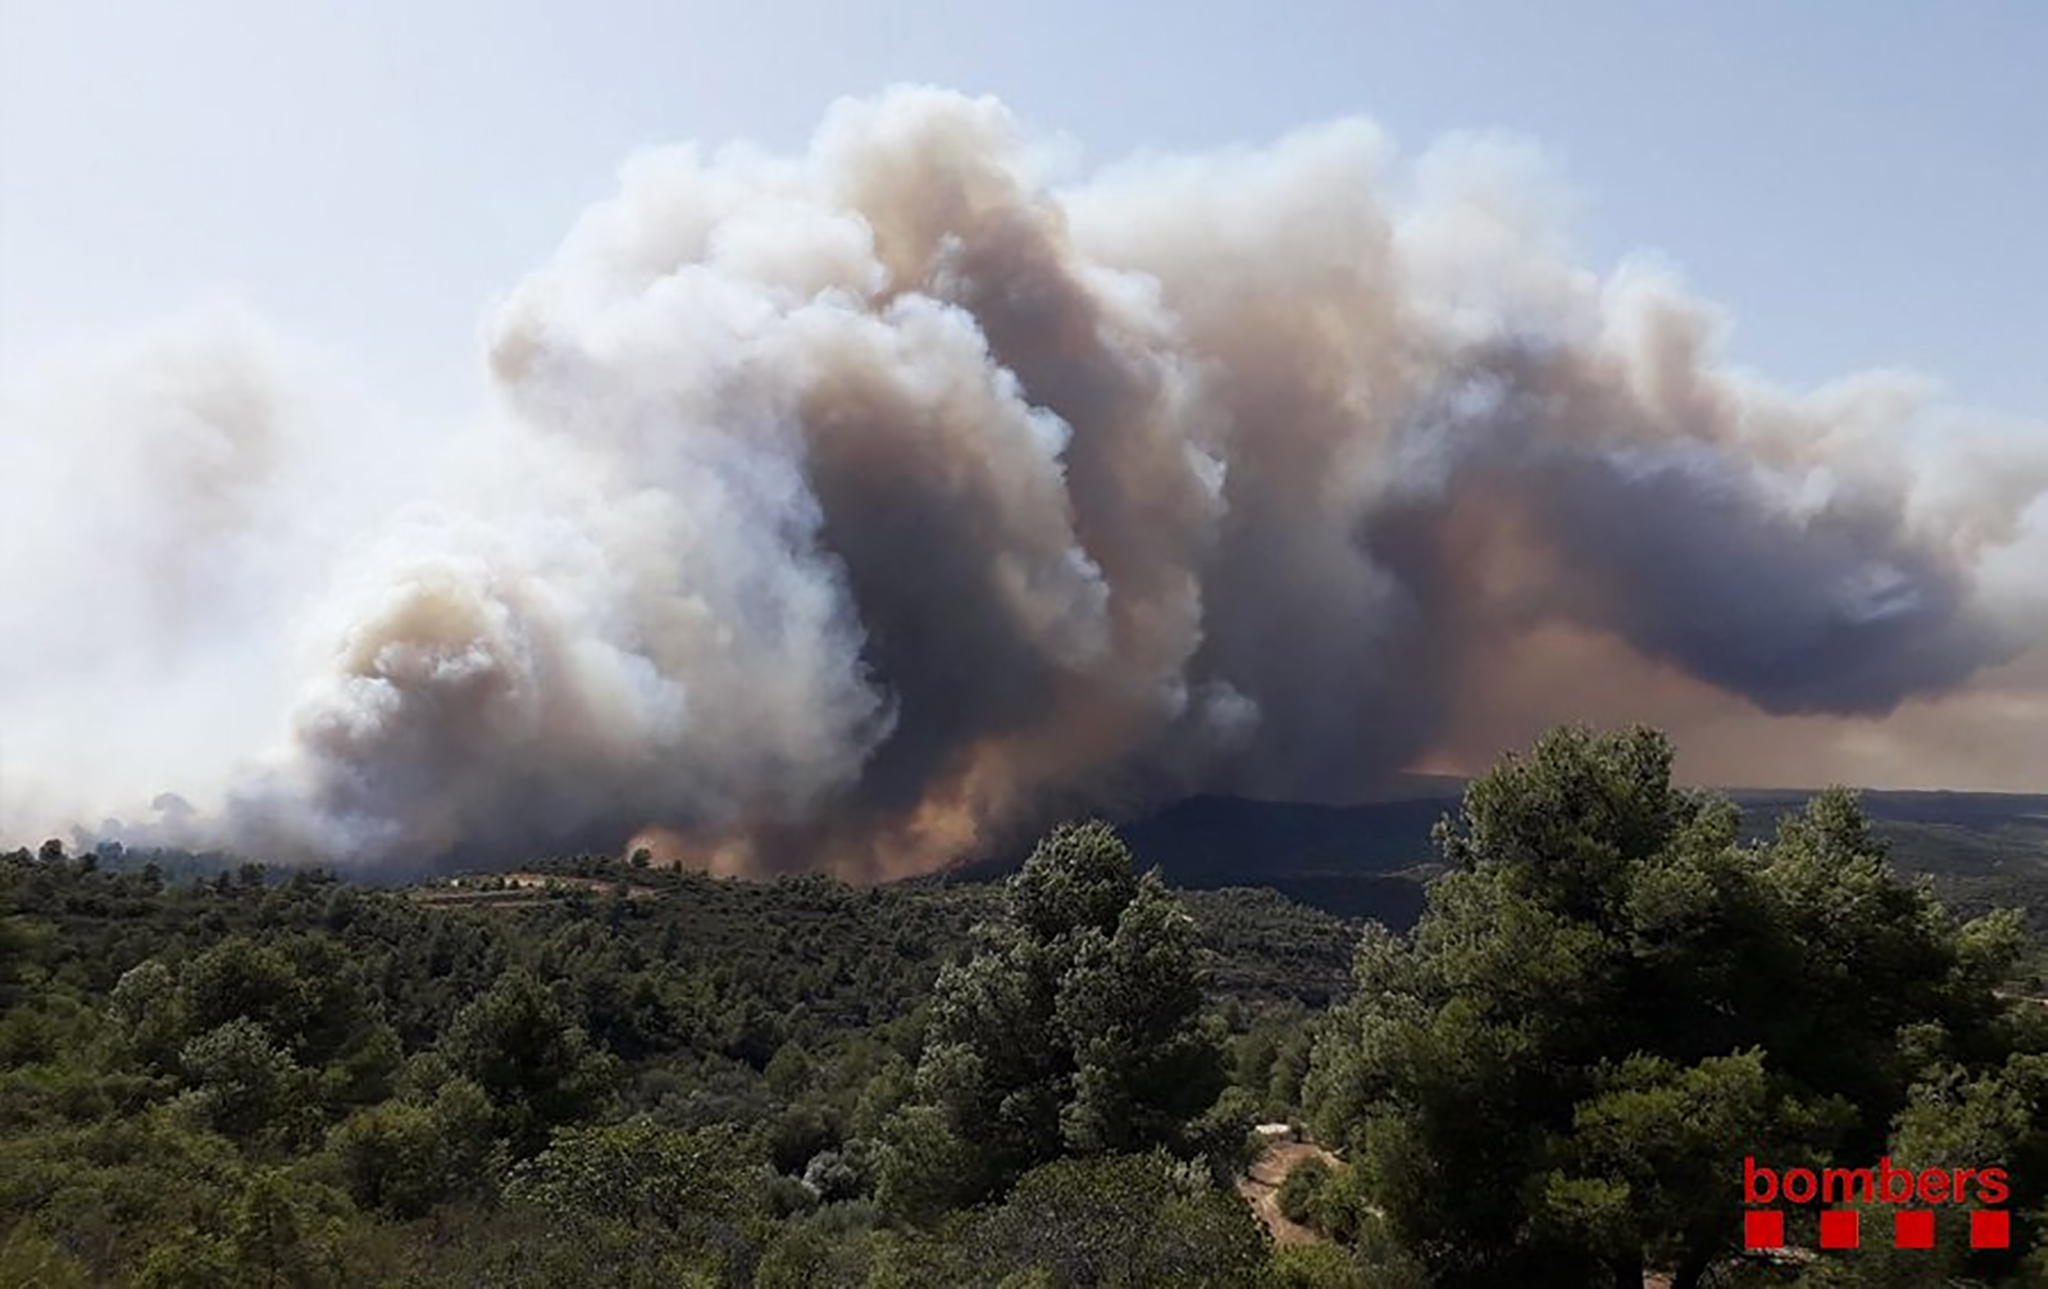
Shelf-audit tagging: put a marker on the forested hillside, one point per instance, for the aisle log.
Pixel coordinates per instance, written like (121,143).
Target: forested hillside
(285,1078)
(591,1071)
(1983,850)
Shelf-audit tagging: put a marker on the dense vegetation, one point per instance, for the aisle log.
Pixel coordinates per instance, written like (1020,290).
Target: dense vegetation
(1981,850)
(1611,1001)
(595,1072)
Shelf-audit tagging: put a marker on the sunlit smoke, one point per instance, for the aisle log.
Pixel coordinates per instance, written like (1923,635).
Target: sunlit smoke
(854,509)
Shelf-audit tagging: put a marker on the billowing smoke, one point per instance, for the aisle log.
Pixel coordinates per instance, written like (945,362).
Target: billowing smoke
(853,508)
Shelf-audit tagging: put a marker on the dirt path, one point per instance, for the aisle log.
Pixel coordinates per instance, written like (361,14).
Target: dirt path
(1261,1188)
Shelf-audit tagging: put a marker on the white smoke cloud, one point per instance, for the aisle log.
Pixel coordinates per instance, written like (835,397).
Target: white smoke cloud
(846,509)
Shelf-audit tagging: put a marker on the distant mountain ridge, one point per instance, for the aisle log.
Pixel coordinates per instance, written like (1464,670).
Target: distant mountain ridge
(1982,849)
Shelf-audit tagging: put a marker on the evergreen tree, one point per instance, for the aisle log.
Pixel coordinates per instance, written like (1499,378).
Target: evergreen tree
(1078,1029)
(1609,1002)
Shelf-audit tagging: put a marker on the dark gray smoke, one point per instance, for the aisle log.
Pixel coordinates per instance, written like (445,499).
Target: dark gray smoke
(850,508)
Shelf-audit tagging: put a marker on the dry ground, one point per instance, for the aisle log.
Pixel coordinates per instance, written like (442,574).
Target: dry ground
(518,890)
(1261,1188)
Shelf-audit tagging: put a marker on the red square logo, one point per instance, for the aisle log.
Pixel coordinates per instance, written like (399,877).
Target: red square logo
(1990,1228)
(1913,1229)
(1838,1229)
(1763,1229)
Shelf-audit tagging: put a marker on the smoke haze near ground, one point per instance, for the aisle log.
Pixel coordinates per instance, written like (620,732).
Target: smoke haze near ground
(857,508)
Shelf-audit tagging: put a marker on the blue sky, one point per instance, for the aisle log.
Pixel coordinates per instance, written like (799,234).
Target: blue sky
(1861,185)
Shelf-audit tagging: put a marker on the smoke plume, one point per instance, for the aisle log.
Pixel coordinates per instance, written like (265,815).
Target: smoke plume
(850,509)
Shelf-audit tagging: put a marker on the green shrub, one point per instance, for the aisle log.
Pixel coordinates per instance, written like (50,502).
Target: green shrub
(1298,1192)
(1316,1266)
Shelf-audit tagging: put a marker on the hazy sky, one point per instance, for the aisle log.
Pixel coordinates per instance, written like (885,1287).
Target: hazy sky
(1861,185)
(1858,187)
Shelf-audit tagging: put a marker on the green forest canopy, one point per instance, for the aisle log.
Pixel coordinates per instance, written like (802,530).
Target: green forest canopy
(635,1076)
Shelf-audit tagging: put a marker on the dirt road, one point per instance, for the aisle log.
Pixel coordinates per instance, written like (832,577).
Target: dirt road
(1261,1188)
